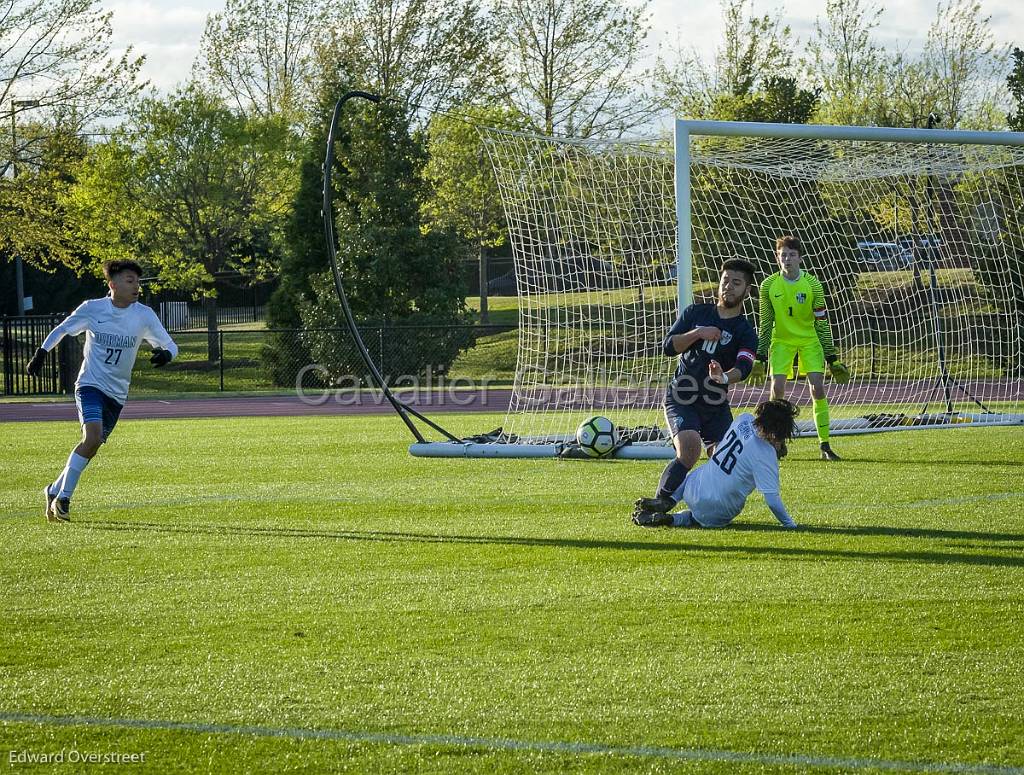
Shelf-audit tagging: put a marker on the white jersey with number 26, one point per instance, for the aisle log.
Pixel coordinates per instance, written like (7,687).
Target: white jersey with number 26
(717,490)
(112,338)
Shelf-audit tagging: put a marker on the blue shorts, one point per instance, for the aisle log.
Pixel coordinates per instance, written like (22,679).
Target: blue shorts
(711,422)
(96,406)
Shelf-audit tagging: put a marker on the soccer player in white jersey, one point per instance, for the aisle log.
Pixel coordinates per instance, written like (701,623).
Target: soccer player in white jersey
(747,457)
(114,327)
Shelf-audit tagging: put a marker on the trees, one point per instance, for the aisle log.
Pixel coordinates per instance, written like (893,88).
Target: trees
(56,61)
(464,195)
(780,100)
(59,54)
(32,217)
(956,74)
(395,272)
(416,54)
(426,54)
(963,62)
(392,268)
(1015,83)
(753,76)
(189,187)
(304,253)
(261,53)
(847,62)
(572,66)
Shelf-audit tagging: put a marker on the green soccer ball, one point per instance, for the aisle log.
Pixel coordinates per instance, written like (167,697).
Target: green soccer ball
(596,436)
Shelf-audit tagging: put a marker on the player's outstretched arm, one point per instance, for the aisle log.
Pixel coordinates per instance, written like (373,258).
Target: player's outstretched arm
(160,357)
(164,348)
(778,508)
(35,366)
(74,324)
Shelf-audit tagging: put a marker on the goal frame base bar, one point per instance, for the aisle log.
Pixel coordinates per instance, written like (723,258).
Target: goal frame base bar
(478,450)
(663,451)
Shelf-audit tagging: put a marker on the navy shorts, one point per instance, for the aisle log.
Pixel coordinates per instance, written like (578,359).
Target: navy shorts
(96,406)
(711,422)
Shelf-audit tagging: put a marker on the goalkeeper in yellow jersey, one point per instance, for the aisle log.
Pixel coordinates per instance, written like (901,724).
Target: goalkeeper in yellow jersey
(794,325)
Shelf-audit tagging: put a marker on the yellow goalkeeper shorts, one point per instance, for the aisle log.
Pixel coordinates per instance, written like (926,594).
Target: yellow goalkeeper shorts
(810,357)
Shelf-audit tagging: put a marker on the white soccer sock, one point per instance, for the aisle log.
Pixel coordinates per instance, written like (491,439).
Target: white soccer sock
(54,489)
(73,470)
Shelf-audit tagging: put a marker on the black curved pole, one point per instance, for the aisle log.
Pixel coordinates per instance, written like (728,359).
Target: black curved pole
(328,215)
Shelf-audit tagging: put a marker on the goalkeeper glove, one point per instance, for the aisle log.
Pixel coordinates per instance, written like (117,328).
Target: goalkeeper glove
(160,357)
(838,371)
(35,366)
(758,372)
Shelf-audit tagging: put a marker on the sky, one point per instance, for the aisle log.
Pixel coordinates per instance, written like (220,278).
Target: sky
(168,31)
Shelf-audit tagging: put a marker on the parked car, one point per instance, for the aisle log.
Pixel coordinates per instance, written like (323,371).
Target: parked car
(927,241)
(884,256)
(925,247)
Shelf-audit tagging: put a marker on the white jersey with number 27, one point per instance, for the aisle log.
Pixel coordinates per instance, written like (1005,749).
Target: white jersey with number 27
(717,490)
(112,338)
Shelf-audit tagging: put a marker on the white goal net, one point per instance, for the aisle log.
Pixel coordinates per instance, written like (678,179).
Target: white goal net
(920,248)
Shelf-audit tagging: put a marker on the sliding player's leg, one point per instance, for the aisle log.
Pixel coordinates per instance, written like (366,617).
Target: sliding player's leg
(684,423)
(712,423)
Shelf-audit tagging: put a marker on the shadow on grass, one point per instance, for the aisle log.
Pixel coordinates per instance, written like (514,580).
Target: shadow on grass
(799,553)
(884,530)
(936,463)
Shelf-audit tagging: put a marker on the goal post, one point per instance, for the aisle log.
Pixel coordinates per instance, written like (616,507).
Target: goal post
(916,234)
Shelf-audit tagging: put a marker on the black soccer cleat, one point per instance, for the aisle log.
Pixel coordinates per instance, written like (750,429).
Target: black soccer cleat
(659,504)
(827,453)
(652,519)
(60,511)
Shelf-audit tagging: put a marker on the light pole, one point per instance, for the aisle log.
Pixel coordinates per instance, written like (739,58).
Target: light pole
(19,279)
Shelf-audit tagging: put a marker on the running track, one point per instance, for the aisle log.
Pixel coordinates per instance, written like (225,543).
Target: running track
(269,406)
(366,403)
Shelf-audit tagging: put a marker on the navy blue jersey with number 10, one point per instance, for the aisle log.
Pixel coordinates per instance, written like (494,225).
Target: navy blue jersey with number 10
(691,383)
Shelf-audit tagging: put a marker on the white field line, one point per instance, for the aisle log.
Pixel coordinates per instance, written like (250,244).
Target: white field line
(506,744)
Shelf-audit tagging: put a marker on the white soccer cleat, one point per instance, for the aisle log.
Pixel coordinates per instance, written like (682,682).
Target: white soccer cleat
(60,510)
(49,504)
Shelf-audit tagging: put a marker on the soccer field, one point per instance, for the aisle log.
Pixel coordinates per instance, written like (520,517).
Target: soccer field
(298,594)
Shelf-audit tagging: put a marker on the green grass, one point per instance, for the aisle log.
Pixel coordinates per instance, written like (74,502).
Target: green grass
(945,278)
(493,359)
(192,371)
(308,573)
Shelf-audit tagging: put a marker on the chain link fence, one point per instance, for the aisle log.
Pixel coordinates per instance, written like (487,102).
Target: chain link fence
(276,360)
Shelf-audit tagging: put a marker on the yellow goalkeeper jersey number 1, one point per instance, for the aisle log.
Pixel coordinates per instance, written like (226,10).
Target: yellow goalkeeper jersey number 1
(795,307)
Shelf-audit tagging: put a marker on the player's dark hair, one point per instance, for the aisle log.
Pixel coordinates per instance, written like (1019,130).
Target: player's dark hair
(788,241)
(740,265)
(112,269)
(776,419)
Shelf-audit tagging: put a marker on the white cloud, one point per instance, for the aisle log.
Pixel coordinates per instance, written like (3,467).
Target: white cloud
(166,33)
